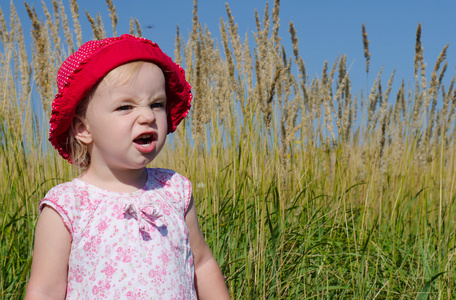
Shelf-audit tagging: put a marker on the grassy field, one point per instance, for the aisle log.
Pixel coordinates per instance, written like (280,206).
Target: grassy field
(305,188)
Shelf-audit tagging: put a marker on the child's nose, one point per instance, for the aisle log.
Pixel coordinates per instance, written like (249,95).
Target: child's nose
(146,115)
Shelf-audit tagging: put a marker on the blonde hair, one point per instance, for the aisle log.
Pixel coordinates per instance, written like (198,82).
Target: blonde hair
(121,75)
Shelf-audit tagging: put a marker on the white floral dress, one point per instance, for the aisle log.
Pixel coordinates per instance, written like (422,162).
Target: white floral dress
(127,245)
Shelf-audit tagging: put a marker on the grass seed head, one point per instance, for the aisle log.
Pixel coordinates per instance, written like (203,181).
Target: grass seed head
(366,48)
(113,16)
(77,27)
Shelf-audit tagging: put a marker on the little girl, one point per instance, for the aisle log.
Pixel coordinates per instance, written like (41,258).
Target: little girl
(120,230)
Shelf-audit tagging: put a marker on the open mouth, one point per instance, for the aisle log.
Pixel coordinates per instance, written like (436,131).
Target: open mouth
(144,139)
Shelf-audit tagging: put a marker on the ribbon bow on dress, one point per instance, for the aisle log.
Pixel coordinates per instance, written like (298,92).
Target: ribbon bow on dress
(145,214)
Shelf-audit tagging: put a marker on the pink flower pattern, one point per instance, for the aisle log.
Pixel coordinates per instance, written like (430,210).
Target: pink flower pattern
(127,245)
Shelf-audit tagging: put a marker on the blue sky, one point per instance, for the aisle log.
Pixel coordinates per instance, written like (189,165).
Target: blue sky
(326,29)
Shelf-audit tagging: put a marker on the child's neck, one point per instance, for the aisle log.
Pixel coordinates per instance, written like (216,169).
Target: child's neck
(125,181)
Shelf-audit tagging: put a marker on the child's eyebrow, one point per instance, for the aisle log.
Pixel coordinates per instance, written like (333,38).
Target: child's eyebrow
(136,100)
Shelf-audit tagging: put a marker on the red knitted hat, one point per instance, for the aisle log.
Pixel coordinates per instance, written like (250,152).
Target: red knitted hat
(82,70)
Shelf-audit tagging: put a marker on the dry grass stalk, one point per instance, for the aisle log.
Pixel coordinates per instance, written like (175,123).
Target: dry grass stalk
(224,96)
(188,58)
(347,117)
(207,83)
(418,50)
(327,102)
(4,29)
(195,21)
(283,82)
(138,28)
(355,109)
(54,28)
(276,24)
(196,77)
(267,62)
(132,26)
(451,112)
(342,95)
(366,48)
(423,79)
(66,27)
(44,71)
(248,70)
(434,85)
(100,26)
(340,104)
(340,92)
(442,73)
(12,33)
(259,81)
(442,114)
(77,27)
(373,100)
(16,63)
(417,105)
(300,62)
(283,126)
(55,7)
(389,87)
(13,39)
(7,100)
(327,95)
(421,99)
(267,108)
(439,86)
(265,31)
(385,116)
(431,121)
(197,91)
(382,139)
(324,73)
(177,47)
(237,50)
(234,36)
(293,109)
(257,21)
(317,96)
(24,67)
(96,33)
(331,74)
(228,55)
(378,114)
(398,107)
(310,116)
(21,94)
(113,16)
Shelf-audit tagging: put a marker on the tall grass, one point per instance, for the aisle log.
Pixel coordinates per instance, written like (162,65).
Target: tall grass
(305,188)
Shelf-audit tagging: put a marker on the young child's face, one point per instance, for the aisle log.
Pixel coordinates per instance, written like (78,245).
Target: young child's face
(126,123)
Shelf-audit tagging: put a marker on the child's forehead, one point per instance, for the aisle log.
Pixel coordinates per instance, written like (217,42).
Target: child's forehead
(126,73)
(138,80)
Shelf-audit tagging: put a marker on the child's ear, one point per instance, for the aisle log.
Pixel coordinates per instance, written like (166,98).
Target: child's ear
(82,132)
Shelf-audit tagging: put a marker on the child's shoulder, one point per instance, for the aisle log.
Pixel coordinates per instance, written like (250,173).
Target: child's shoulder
(65,199)
(64,188)
(165,175)
(172,181)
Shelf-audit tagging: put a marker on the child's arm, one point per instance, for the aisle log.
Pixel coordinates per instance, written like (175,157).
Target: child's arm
(209,280)
(48,279)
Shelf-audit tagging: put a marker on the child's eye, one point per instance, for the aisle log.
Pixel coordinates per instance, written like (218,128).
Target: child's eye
(124,107)
(157,105)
